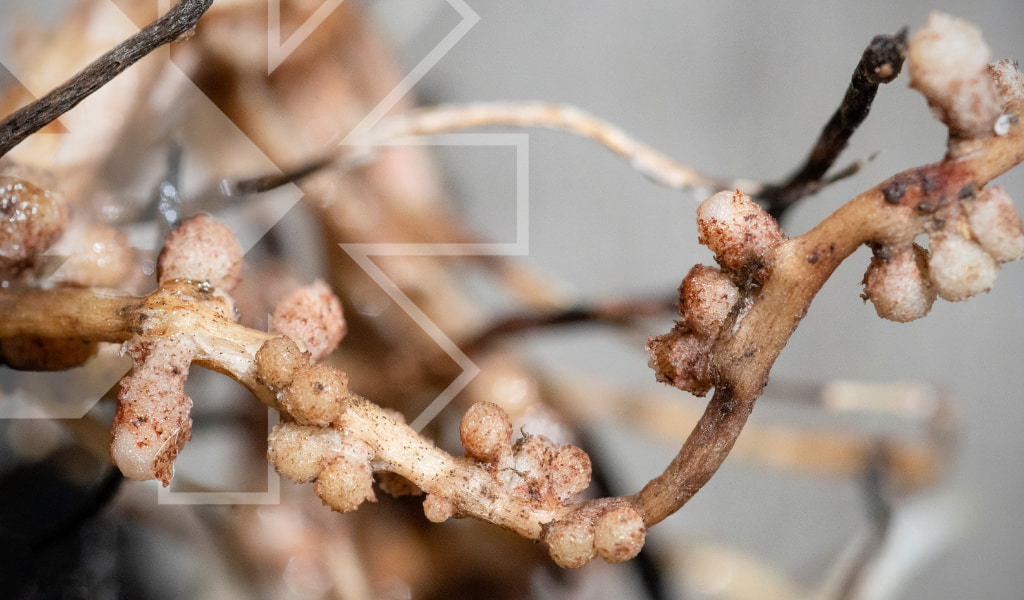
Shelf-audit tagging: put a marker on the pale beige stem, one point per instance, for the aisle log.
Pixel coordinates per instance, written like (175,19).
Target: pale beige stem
(447,118)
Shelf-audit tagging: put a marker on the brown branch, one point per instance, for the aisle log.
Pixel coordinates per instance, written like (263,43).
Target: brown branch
(799,267)
(33,117)
(917,455)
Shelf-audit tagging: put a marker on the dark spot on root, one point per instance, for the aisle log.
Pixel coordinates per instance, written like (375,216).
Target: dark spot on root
(318,386)
(894,192)
(814,257)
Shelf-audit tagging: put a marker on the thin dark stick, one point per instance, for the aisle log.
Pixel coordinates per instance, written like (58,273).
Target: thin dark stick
(33,117)
(880,63)
(266,183)
(619,313)
(880,507)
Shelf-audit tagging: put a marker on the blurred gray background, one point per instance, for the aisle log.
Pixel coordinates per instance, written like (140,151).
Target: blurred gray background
(743,88)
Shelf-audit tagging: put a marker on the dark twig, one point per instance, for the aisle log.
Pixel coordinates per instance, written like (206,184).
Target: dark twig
(229,192)
(171,206)
(266,183)
(33,117)
(880,63)
(879,499)
(614,313)
(619,313)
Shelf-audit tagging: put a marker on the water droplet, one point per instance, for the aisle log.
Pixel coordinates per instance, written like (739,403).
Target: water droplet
(1002,125)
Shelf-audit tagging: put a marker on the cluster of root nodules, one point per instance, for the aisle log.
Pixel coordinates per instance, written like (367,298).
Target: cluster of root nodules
(533,468)
(743,237)
(529,484)
(973,235)
(962,260)
(309,446)
(201,261)
(545,476)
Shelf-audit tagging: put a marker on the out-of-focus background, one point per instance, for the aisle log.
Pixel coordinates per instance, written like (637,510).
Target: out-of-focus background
(738,89)
(742,89)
